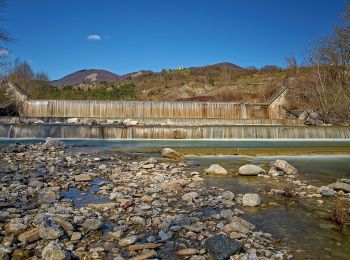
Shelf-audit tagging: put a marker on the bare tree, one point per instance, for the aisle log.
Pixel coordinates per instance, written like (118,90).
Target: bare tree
(292,64)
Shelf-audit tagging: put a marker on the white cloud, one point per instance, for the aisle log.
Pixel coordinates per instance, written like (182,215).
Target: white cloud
(94,37)
(4,52)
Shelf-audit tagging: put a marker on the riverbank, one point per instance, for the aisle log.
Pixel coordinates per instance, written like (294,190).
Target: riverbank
(144,208)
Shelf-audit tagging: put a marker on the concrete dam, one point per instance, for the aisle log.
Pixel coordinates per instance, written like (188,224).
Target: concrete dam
(161,120)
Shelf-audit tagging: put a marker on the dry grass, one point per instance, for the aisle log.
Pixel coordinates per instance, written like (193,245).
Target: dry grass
(288,189)
(339,214)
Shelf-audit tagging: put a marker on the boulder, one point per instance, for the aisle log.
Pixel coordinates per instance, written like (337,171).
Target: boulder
(130,122)
(340,186)
(228,195)
(216,169)
(251,200)
(73,120)
(326,191)
(221,247)
(250,170)
(55,251)
(281,165)
(172,154)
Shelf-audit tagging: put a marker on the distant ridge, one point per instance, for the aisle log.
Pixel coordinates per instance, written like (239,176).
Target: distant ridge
(86,76)
(89,76)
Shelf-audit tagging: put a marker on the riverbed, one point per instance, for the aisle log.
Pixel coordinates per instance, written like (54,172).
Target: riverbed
(300,223)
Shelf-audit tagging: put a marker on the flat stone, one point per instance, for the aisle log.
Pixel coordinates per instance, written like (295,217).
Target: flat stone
(250,170)
(143,246)
(221,247)
(29,236)
(75,236)
(251,200)
(82,178)
(146,255)
(216,169)
(187,252)
(15,228)
(326,191)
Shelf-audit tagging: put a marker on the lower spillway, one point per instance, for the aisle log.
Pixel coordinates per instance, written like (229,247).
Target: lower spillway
(172,132)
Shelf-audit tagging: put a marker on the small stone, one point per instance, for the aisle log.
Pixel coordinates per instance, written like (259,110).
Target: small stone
(138,220)
(49,195)
(55,251)
(143,246)
(92,224)
(127,241)
(190,197)
(49,230)
(164,236)
(82,178)
(187,252)
(251,200)
(326,191)
(146,255)
(75,236)
(228,195)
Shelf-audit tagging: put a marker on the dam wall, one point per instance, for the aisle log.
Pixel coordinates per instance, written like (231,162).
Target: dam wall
(142,109)
(172,132)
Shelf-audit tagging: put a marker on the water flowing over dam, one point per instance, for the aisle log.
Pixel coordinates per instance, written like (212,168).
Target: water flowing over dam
(142,109)
(173,132)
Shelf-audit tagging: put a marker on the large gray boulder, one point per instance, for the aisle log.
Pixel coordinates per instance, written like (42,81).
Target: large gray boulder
(340,186)
(216,169)
(172,154)
(55,251)
(250,170)
(251,200)
(221,247)
(281,166)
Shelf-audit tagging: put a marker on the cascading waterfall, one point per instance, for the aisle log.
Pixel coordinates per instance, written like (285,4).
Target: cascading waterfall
(142,109)
(173,132)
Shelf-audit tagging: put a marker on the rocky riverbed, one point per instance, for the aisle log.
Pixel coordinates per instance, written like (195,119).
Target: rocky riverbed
(138,208)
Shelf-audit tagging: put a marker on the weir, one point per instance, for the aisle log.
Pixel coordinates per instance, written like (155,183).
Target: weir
(142,109)
(173,132)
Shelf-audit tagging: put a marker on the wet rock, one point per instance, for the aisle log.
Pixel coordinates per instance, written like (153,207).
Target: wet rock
(92,224)
(251,200)
(49,195)
(221,247)
(49,230)
(326,191)
(190,197)
(216,169)
(29,236)
(285,167)
(55,251)
(340,186)
(50,142)
(250,170)
(172,154)
(82,178)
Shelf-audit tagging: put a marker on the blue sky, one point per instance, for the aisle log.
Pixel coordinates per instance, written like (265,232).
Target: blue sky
(126,36)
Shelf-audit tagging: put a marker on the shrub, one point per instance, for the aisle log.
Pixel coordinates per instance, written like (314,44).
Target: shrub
(338,214)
